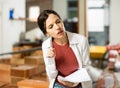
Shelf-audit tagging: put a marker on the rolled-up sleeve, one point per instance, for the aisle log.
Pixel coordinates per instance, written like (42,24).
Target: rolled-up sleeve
(49,64)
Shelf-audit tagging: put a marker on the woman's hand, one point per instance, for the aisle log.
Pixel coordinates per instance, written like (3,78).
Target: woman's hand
(51,52)
(67,83)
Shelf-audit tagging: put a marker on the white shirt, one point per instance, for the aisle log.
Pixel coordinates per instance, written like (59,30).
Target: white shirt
(80,47)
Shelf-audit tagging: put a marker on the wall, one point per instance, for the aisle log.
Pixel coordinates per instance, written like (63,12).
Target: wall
(11,29)
(115,22)
(61,8)
(42,4)
(0,25)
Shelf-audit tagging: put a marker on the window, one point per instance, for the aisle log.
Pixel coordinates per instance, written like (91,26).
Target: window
(95,15)
(72,8)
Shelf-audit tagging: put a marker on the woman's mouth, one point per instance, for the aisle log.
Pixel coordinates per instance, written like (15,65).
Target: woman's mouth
(60,32)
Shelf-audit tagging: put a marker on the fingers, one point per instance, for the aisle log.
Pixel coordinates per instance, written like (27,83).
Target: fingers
(67,83)
(51,52)
(70,84)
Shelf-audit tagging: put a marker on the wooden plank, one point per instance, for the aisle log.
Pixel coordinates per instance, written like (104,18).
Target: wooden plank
(29,83)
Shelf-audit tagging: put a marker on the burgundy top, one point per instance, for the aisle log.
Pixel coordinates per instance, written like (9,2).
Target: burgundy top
(66,61)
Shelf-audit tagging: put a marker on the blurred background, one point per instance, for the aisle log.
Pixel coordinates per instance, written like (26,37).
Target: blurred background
(21,39)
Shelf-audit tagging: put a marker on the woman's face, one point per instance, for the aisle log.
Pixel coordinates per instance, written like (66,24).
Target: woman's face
(54,26)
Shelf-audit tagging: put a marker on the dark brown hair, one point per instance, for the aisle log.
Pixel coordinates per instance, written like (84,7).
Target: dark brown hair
(43,17)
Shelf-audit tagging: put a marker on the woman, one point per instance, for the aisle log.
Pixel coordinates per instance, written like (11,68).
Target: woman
(64,52)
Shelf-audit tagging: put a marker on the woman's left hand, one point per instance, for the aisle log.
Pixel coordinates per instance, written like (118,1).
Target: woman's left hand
(67,83)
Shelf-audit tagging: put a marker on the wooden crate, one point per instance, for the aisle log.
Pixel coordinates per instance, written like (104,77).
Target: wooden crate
(15,79)
(33,84)
(37,53)
(25,71)
(17,61)
(5,60)
(5,71)
(19,55)
(34,60)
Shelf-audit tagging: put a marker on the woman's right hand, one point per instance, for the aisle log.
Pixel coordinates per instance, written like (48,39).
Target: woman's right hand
(51,52)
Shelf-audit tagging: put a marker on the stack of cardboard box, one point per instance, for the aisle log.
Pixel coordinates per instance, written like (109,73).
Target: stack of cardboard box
(5,74)
(26,66)
(22,65)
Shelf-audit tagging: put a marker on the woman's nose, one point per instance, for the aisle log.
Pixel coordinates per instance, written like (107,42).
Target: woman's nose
(56,26)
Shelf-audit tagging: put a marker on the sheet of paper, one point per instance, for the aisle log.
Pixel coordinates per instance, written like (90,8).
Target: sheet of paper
(80,75)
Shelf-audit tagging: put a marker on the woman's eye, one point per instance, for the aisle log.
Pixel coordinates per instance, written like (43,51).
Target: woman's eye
(50,27)
(58,21)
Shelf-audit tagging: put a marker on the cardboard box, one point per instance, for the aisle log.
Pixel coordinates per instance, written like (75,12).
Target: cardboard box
(25,71)
(5,60)
(17,61)
(33,84)
(39,69)
(34,60)
(15,79)
(5,73)
(19,55)
(37,53)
